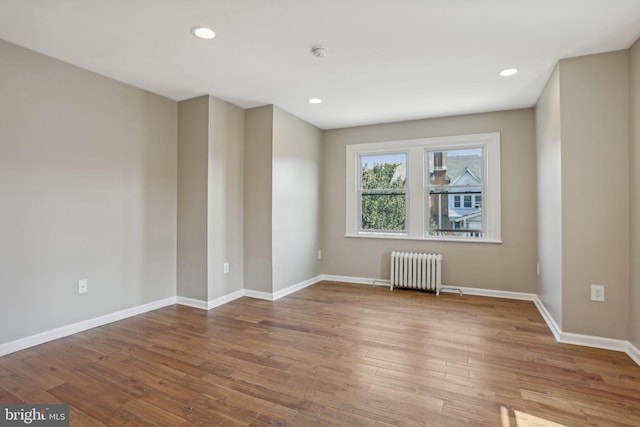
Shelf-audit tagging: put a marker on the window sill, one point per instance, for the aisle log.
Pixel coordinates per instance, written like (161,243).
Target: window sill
(386,236)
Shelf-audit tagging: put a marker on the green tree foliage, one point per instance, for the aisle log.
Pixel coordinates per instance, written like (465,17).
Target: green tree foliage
(383,197)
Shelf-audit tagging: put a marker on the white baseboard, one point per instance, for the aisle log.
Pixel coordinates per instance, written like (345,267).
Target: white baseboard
(633,352)
(356,280)
(268,296)
(493,293)
(190,302)
(208,305)
(225,299)
(586,340)
(593,341)
(469,291)
(283,292)
(549,320)
(74,328)
(453,289)
(294,288)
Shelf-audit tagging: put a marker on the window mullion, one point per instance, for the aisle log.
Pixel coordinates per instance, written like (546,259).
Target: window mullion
(415,190)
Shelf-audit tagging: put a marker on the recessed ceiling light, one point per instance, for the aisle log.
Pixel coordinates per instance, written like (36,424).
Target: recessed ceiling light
(315,101)
(508,72)
(203,33)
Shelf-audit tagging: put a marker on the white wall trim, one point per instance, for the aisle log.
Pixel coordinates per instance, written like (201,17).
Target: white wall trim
(74,328)
(593,341)
(190,302)
(633,352)
(355,280)
(493,293)
(267,296)
(283,292)
(294,288)
(217,302)
(551,323)
(587,340)
(469,291)
(208,305)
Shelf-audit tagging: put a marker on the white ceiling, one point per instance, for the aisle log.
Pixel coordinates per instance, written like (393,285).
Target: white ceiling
(388,60)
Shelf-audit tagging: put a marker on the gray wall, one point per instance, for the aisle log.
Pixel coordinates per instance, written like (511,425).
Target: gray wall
(88,184)
(550,197)
(510,266)
(193,137)
(257,199)
(225,228)
(210,198)
(282,196)
(634,308)
(295,199)
(594,103)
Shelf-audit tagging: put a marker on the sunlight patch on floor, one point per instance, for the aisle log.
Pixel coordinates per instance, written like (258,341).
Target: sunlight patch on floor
(522,419)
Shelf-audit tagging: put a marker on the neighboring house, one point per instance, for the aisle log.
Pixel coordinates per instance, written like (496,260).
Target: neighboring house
(471,221)
(462,207)
(465,204)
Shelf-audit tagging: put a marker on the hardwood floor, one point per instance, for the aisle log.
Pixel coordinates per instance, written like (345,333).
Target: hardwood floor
(329,355)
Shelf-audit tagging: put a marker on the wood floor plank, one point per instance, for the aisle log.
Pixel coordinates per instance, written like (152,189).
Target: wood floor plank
(45,380)
(156,415)
(332,354)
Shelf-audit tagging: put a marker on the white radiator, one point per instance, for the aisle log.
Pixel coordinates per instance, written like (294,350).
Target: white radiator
(416,271)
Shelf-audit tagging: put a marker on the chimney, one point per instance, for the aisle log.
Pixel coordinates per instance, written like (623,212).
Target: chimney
(440,169)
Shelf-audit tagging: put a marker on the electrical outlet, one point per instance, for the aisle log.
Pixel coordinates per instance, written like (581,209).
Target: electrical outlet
(83,286)
(538,268)
(319,254)
(597,292)
(225,268)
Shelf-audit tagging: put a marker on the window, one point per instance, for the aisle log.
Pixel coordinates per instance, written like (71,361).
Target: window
(454,184)
(383,198)
(436,188)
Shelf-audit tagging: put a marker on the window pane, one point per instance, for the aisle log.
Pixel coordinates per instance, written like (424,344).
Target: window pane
(441,224)
(455,187)
(446,166)
(382,192)
(387,171)
(383,211)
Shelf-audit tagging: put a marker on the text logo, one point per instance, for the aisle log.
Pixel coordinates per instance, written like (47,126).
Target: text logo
(34,415)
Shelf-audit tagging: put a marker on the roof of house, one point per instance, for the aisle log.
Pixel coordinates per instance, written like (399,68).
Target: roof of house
(458,165)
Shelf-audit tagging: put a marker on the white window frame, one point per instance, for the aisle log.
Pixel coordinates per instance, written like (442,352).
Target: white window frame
(417,165)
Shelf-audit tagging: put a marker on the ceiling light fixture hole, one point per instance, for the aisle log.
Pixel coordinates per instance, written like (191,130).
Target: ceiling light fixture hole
(319,51)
